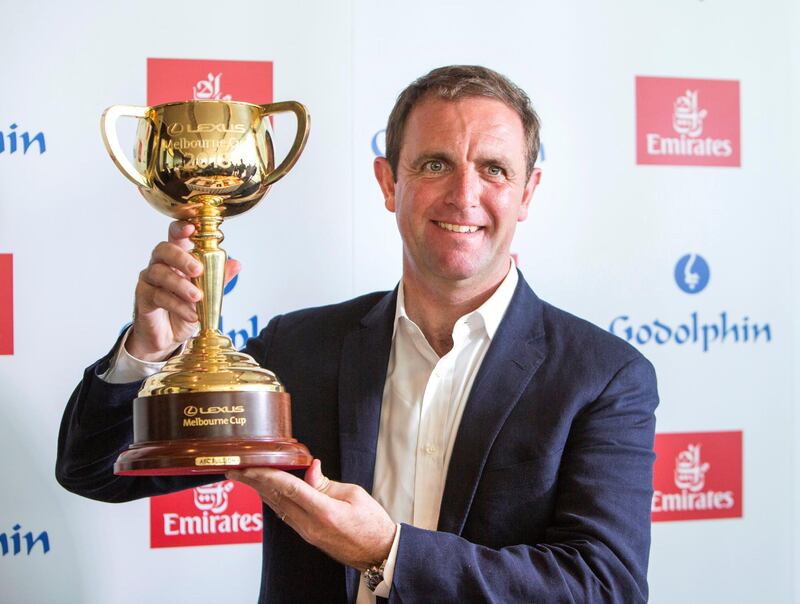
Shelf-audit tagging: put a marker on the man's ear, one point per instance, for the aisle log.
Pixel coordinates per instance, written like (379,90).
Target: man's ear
(385,178)
(527,193)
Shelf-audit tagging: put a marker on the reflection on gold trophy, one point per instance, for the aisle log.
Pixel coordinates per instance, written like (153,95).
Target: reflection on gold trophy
(211,408)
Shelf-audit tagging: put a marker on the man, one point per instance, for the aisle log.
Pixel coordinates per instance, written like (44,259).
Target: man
(507,445)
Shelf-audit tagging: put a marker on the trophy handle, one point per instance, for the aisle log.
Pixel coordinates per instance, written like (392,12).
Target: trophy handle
(303,124)
(108,128)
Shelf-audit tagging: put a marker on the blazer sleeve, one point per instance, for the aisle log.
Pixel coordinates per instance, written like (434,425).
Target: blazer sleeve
(596,548)
(97,426)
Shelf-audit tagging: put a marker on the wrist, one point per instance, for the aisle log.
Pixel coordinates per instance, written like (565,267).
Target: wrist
(382,551)
(378,577)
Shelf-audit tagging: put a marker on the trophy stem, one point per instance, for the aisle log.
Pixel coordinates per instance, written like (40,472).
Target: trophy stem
(206,239)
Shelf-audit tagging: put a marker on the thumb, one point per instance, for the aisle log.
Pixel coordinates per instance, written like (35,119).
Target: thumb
(232,268)
(322,483)
(314,474)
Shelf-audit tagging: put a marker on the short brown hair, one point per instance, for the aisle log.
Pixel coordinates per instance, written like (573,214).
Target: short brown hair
(457,82)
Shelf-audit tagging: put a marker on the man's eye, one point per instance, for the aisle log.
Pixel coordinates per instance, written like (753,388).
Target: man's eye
(495,170)
(435,165)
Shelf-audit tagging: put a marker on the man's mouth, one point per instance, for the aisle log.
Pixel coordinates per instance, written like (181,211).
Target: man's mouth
(457,228)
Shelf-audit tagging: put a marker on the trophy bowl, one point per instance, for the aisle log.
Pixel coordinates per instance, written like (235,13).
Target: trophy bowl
(211,408)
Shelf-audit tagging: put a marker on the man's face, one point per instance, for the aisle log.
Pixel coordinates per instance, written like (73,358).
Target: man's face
(461,189)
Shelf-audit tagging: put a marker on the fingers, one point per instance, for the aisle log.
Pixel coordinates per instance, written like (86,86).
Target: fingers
(165,284)
(279,490)
(179,233)
(340,519)
(175,257)
(178,236)
(166,297)
(173,304)
(277,487)
(161,287)
(161,275)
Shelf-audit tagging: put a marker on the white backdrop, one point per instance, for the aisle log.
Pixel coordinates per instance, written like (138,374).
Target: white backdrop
(602,240)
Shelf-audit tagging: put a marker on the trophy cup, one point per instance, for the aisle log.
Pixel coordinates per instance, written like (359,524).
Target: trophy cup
(211,408)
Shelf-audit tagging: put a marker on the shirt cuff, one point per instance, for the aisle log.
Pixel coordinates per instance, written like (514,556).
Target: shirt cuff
(385,586)
(125,368)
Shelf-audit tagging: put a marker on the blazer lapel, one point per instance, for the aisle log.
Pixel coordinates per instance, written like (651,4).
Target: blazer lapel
(362,375)
(516,352)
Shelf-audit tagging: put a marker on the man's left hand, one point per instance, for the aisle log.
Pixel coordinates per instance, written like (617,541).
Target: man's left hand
(341,519)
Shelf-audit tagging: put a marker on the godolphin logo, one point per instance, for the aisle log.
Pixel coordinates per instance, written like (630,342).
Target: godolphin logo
(692,273)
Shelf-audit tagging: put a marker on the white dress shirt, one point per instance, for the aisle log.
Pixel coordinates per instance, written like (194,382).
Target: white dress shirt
(423,400)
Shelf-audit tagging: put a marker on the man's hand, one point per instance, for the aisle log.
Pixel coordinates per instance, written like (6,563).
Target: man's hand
(340,519)
(164,315)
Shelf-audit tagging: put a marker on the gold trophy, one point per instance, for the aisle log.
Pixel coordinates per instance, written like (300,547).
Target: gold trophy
(211,408)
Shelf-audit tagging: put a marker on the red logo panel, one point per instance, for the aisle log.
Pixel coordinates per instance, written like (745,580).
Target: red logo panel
(224,512)
(697,476)
(187,79)
(6,304)
(687,122)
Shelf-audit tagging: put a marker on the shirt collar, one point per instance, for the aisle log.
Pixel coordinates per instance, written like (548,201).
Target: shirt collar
(491,312)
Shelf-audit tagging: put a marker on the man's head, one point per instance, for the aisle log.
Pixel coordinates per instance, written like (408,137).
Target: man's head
(457,82)
(462,178)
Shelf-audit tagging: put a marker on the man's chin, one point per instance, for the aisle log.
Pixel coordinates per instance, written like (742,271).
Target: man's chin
(462,273)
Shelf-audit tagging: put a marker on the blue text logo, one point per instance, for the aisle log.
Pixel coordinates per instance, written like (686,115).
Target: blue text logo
(16,543)
(12,140)
(704,329)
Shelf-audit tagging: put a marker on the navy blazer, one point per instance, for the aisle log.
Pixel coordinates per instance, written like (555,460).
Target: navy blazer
(547,496)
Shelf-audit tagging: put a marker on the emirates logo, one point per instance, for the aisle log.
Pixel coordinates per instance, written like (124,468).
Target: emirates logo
(687,122)
(213,497)
(690,472)
(209,89)
(687,117)
(204,80)
(224,512)
(697,476)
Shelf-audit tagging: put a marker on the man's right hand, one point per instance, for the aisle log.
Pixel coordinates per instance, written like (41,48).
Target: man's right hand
(165,315)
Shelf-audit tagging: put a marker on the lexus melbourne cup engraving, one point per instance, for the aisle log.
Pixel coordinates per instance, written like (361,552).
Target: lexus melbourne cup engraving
(211,408)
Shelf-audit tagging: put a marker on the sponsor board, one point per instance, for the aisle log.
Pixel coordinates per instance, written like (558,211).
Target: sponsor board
(221,513)
(6,304)
(171,80)
(687,122)
(701,329)
(697,476)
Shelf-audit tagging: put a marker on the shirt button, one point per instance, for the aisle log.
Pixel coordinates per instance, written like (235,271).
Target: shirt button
(430,449)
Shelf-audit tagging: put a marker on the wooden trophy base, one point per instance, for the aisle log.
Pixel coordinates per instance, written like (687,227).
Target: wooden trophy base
(211,433)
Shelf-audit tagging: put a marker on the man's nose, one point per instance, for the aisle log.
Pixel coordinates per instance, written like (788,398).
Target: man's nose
(465,188)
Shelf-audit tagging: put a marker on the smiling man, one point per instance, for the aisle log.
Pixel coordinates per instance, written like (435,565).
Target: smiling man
(473,443)
(458,188)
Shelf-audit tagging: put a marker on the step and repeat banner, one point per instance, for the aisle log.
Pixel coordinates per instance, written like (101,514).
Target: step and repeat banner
(666,215)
